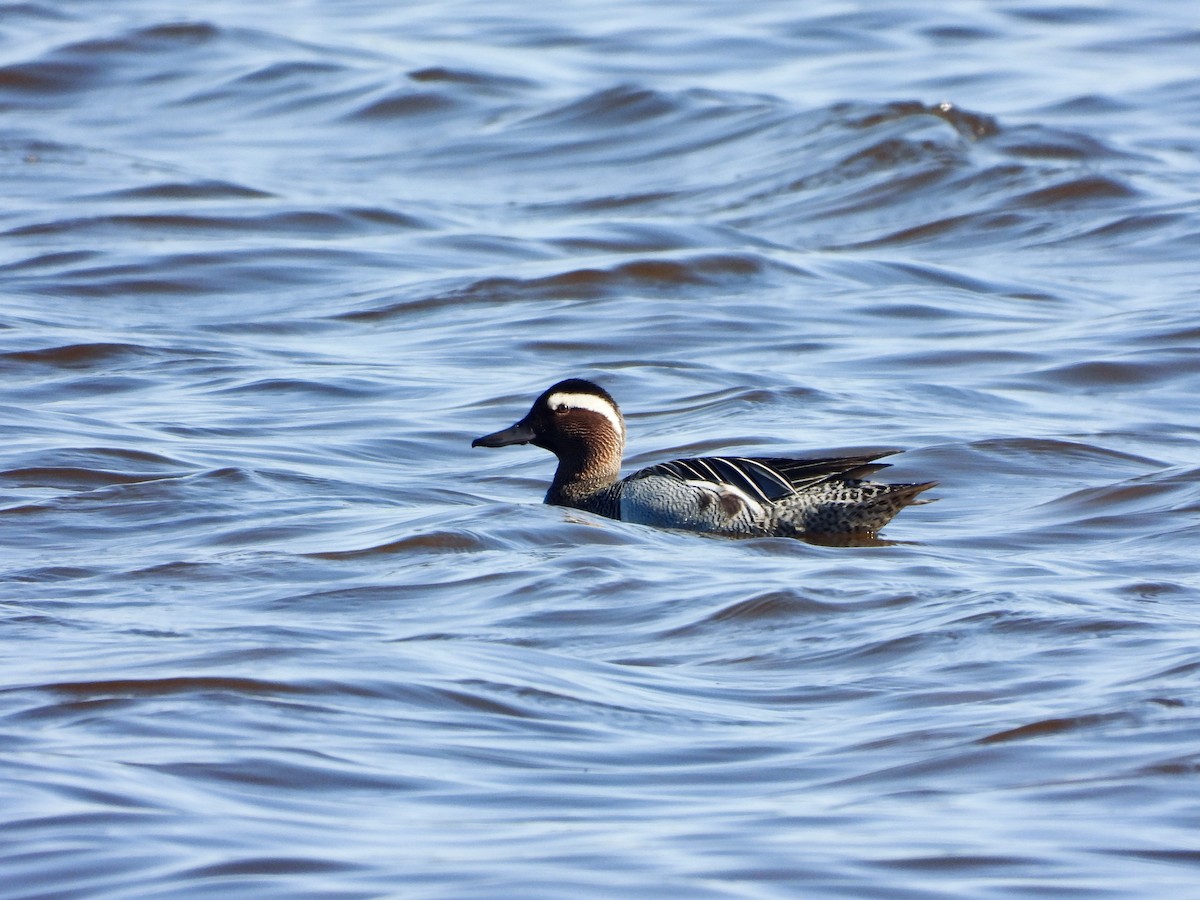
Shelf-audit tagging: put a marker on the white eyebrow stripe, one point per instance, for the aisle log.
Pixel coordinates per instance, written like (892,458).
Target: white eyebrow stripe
(589,402)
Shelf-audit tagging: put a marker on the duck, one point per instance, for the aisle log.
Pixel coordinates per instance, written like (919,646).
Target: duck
(821,499)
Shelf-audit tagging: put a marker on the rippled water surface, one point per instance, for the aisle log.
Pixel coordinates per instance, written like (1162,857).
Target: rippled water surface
(270,628)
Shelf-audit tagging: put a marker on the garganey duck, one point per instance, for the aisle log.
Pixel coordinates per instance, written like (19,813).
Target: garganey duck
(817,499)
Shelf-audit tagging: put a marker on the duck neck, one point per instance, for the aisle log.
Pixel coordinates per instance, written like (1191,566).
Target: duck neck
(584,470)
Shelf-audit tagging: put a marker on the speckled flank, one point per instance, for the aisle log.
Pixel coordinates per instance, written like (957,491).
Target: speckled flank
(843,508)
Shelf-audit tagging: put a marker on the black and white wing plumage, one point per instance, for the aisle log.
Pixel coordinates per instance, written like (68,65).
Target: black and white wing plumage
(767,479)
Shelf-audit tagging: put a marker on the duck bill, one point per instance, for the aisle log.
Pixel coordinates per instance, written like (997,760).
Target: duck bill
(521,433)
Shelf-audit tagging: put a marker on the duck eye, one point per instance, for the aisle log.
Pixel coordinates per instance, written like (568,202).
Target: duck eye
(561,408)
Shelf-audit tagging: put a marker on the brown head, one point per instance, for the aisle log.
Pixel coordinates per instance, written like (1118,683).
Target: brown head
(577,421)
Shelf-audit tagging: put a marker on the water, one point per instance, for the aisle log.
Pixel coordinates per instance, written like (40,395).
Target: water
(272,629)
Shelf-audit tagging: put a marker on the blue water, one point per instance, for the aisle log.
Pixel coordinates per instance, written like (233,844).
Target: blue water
(269,627)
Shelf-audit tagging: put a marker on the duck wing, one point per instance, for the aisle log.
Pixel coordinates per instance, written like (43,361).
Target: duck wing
(767,478)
